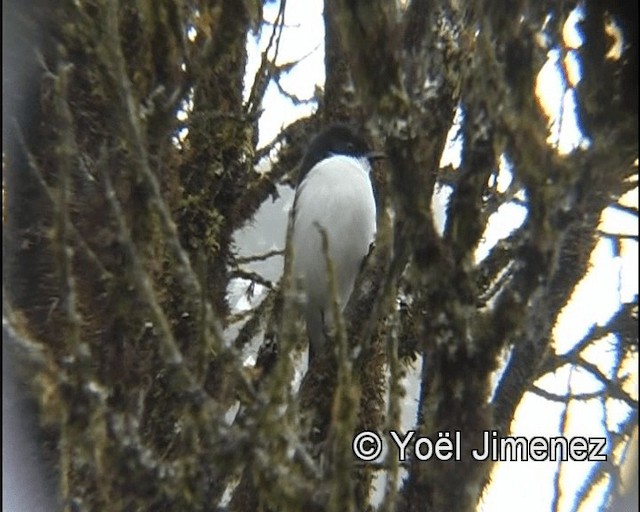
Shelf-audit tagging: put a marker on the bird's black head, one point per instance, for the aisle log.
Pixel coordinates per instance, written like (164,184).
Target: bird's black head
(337,139)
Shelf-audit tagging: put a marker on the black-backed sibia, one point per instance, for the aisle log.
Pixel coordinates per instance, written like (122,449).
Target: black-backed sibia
(335,196)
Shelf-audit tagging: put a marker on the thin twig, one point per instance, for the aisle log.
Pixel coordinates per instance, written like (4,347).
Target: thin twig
(259,257)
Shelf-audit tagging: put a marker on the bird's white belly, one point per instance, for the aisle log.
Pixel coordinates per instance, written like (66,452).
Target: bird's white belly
(336,197)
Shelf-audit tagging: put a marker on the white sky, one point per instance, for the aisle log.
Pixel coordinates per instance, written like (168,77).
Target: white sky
(611,279)
(302,38)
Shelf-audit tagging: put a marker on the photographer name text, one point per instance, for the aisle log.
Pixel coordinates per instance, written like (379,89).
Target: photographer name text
(368,446)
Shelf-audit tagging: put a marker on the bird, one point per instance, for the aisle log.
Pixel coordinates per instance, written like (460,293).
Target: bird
(335,198)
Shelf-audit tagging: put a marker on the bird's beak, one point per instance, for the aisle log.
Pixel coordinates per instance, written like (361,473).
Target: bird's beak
(373,156)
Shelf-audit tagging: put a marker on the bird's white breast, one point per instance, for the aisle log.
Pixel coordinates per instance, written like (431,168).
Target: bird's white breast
(337,197)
